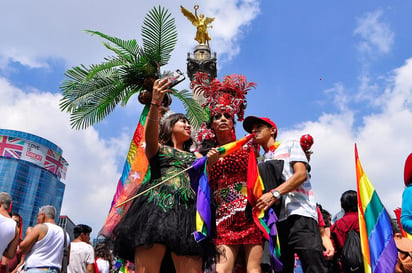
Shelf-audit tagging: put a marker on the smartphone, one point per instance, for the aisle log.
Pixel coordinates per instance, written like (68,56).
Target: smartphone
(176,77)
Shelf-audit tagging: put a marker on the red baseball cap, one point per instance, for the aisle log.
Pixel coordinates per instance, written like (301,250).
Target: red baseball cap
(408,170)
(251,120)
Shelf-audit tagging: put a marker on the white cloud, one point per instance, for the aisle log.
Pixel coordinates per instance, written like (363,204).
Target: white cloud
(383,141)
(368,89)
(375,35)
(92,174)
(55,29)
(340,98)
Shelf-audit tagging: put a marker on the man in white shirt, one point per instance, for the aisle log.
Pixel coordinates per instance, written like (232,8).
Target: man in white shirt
(81,251)
(44,245)
(297,226)
(9,234)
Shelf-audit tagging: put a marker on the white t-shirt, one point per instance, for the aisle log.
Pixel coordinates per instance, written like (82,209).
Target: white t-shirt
(103,265)
(81,254)
(7,232)
(301,200)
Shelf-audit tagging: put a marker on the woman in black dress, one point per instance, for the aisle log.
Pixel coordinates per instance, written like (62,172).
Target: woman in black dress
(163,219)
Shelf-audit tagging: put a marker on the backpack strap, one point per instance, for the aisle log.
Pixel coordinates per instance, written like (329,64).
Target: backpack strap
(346,225)
(65,253)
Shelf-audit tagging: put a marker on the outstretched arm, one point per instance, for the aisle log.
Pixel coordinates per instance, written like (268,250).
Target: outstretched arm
(160,88)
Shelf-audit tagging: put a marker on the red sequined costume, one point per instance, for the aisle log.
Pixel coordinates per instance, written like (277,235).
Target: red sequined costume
(228,182)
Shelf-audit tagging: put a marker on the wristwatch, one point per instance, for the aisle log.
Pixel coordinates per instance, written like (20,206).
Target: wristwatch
(276,194)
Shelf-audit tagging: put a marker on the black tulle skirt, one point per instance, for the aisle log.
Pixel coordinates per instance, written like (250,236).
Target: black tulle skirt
(146,223)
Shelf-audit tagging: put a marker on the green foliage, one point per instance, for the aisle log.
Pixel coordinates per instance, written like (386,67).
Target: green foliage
(194,112)
(91,93)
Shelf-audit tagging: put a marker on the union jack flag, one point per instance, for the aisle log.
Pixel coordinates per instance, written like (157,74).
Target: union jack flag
(11,146)
(61,172)
(53,161)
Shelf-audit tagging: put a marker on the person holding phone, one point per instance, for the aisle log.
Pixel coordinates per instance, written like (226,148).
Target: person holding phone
(162,219)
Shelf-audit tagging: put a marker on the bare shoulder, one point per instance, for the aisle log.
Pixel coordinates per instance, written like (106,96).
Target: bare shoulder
(40,230)
(41,227)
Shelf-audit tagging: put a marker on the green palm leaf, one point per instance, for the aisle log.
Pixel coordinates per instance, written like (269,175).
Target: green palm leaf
(91,93)
(159,34)
(194,112)
(123,47)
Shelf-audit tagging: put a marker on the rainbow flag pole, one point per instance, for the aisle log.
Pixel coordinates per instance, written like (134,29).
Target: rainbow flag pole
(154,186)
(376,234)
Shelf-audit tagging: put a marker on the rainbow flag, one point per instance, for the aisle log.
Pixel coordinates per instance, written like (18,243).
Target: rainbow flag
(376,234)
(265,221)
(135,172)
(199,179)
(234,146)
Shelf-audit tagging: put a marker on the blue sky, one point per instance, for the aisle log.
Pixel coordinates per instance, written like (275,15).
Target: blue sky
(339,70)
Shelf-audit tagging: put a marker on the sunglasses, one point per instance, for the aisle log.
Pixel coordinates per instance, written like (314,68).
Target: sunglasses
(219,116)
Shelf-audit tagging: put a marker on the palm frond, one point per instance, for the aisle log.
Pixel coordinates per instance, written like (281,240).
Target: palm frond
(130,91)
(194,112)
(111,63)
(125,46)
(159,34)
(91,93)
(97,107)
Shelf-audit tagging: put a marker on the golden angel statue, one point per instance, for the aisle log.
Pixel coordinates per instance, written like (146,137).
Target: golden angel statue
(200,22)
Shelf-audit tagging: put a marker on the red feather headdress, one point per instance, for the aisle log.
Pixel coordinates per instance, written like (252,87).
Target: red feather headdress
(228,95)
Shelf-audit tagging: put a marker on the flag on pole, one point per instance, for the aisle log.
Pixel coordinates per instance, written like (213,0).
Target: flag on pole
(255,189)
(234,146)
(376,234)
(135,172)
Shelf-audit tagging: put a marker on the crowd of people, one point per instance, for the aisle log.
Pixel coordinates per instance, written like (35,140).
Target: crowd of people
(156,232)
(47,247)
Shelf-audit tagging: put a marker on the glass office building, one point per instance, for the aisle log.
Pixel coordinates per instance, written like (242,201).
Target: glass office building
(31,170)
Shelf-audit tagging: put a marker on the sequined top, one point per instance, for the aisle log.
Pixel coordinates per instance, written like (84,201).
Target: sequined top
(228,181)
(166,164)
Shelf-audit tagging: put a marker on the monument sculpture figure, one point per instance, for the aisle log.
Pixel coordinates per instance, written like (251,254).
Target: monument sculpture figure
(201,23)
